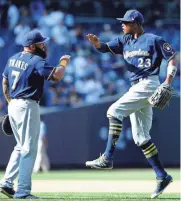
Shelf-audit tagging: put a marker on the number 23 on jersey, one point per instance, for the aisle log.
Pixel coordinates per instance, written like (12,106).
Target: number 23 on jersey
(142,62)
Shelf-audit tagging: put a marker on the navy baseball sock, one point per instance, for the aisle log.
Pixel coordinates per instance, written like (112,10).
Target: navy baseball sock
(115,127)
(151,153)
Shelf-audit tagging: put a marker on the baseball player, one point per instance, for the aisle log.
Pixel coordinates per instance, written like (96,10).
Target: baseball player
(42,160)
(23,80)
(143,53)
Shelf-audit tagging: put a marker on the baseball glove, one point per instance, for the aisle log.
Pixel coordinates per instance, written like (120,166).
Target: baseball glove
(6,126)
(162,95)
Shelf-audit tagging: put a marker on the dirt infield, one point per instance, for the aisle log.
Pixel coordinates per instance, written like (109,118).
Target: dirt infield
(100,186)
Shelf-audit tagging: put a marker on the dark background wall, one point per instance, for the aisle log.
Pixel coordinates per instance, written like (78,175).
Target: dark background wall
(80,134)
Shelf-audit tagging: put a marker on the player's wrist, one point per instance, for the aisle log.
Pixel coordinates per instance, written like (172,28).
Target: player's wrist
(168,80)
(63,63)
(97,45)
(171,70)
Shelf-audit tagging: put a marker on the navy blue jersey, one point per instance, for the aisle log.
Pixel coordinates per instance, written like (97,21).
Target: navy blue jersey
(26,73)
(143,55)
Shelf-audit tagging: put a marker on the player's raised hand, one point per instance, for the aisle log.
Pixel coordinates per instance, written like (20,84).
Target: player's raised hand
(64,60)
(93,39)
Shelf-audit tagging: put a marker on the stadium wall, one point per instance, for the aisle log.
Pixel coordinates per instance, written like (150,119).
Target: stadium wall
(79,134)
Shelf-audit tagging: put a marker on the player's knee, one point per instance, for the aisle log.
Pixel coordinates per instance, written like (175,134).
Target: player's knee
(140,142)
(29,151)
(112,112)
(114,120)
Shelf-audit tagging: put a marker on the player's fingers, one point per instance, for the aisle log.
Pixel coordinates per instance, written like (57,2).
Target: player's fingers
(91,36)
(67,57)
(88,37)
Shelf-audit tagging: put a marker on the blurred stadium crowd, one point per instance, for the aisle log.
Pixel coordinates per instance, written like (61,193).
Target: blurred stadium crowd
(90,75)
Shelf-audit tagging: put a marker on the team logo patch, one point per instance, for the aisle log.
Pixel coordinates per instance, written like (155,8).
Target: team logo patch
(167,47)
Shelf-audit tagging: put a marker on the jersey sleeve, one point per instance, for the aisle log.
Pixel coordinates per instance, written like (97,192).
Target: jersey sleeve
(165,49)
(116,46)
(44,69)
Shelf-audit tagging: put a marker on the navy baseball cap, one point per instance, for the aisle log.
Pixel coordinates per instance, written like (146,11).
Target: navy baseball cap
(132,16)
(33,37)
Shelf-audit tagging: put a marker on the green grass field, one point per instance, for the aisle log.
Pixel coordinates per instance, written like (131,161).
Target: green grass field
(115,174)
(100,197)
(121,174)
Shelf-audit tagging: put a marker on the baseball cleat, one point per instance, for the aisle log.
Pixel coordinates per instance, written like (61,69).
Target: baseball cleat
(161,185)
(9,192)
(27,197)
(100,163)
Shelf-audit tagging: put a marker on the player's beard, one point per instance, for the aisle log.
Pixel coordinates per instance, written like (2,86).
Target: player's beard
(40,52)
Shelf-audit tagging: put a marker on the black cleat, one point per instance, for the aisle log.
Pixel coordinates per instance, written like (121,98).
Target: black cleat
(9,192)
(161,185)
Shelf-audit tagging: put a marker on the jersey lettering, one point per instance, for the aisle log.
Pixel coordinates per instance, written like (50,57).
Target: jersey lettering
(26,74)
(18,64)
(134,53)
(142,55)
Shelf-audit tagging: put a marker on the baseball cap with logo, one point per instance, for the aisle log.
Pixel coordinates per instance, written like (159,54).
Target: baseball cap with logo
(132,16)
(33,37)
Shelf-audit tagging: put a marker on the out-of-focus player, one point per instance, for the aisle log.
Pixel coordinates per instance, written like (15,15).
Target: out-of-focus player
(42,161)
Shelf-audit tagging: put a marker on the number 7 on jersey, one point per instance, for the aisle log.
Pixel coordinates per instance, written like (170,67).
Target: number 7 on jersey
(16,75)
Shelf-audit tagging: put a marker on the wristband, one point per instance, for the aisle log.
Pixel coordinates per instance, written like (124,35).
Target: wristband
(171,70)
(63,63)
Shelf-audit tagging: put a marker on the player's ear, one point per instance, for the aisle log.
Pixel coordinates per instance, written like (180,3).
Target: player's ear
(138,24)
(135,25)
(33,47)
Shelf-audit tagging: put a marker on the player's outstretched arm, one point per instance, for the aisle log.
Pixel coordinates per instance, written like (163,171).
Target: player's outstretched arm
(171,71)
(94,40)
(59,71)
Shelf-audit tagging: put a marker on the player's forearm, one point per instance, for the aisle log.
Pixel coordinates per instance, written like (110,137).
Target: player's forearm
(5,87)
(58,73)
(169,79)
(171,71)
(102,47)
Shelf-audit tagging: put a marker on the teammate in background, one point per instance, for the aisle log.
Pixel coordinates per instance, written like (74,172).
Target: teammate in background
(23,80)
(143,53)
(42,161)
